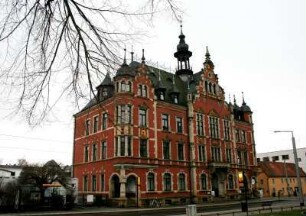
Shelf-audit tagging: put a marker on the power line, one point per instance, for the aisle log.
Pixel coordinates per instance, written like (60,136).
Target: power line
(33,138)
(32,149)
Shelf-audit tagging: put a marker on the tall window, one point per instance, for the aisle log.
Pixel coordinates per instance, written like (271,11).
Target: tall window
(167,182)
(87,127)
(142,117)
(214,127)
(165,122)
(104,121)
(85,183)
(203,182)
(175,99)
(202,156)
(237,135)
(166,150)
(103,150)
(182,182)
(143,148)
(243,137)
(96,124)
(215,154)
(124,114)
(142,90)
(226,130)
(86,153)
(200,124)
(230,182)
(123,146)
(179,125)
(102,182)
(151,182)
(229,155)
(94,183)
(180,151)
(94,152)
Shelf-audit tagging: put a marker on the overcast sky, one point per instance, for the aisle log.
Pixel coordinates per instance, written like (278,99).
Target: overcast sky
(258,47)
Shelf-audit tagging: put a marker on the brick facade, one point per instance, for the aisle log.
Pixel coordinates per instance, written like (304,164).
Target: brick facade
(172,136)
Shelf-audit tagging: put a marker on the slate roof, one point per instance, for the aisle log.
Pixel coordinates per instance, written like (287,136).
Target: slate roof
(277,169)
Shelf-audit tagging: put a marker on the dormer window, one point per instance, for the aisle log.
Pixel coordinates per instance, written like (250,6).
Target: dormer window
(161,96)
(104,92)
(175,99)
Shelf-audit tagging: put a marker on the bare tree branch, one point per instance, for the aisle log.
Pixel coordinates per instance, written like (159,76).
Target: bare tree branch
(64,47)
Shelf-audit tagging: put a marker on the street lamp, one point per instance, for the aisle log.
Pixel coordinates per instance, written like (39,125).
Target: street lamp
(296,165)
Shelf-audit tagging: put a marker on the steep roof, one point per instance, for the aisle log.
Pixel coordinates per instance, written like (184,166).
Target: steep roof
(278,169)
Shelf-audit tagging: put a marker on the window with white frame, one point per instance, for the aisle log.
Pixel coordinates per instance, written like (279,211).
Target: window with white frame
(95,124)
(142,117)
(202,153)
(151,182)
(229,155)
(165,122)
(94,183)
(181,182)
(203,180)
(214,127)
(103,150)
(226,130)
(104,121)
(230,182)
(167,182)
(94,152)
(180,151)
(200,124)
(102,182)
(125,86)
(237,135)
(86,153)
(124,114)
(166,150)
(143,148)
(142,90)
(87,127)
(215,154)
(243,137)
(85,183)
(123,146)
(179,125)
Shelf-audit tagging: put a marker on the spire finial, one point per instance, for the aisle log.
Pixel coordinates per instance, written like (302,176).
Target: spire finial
(158,72)
(234,99)
(207,53)
(124,60)
(229,98)
(243,102)
(143,58)
(132,55)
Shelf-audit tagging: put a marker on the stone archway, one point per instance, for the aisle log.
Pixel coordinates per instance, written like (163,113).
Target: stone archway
(131,186)
(115,187)
(215,184)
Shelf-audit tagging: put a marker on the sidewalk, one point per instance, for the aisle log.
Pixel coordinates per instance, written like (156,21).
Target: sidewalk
(221,204)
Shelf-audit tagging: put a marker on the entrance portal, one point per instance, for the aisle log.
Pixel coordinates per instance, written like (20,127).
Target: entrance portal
(131,187)
(215,184)
(115,187)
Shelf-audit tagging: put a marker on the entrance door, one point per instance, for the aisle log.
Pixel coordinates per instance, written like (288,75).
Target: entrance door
(115,187)
(131,187)
(215,184)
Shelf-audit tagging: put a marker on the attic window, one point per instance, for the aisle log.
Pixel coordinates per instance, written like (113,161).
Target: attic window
(175,99)
(104,92)
(161,96)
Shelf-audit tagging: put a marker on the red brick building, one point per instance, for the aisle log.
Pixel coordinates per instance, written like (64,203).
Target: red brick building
(153,134)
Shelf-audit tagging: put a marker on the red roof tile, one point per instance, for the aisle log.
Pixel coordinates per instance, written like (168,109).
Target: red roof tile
(277,169)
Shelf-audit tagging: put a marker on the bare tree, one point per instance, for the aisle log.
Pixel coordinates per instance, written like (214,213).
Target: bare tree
(66,44)
(38,176)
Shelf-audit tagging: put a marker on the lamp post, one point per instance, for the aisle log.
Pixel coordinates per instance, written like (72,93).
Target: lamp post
(301,198)
(243,179)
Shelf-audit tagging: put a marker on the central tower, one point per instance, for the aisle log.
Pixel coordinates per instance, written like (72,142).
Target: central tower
(183,54)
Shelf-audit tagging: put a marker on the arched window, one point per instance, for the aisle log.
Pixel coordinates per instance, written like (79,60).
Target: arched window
(214,88)
(167,182)
(151,182)
(182,182)
(203,182)
(206,86)
(209,86)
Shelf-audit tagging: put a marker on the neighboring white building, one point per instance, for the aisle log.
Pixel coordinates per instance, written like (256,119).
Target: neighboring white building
(9,173)
(284,155)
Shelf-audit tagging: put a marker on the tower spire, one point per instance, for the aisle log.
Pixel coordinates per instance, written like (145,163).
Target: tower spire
(124,59)
(208,61)
(132,55)
(143,57)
